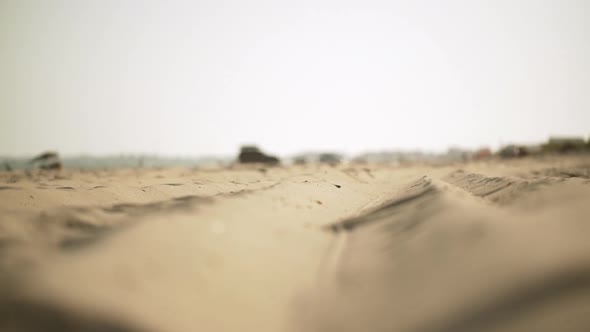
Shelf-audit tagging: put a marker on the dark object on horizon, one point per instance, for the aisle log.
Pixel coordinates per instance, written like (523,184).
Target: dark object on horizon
(565,144)
(513,151)
(252,154)
(47,161)
(330,158)
(7,167)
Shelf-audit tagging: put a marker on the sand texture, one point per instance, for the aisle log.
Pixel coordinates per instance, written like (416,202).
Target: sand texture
(488,246)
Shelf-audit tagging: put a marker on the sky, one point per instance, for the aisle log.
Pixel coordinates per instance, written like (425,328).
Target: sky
(189,78)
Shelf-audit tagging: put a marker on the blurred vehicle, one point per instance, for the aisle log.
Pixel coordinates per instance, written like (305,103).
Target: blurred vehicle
(513,151)
(252,154)
(47,161)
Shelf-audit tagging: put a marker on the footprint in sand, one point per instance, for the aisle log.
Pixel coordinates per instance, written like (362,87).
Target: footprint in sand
(97,187)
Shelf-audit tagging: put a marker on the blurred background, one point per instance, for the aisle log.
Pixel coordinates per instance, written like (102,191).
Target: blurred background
(181,80)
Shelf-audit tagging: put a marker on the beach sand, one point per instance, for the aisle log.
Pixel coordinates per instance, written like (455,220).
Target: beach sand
(500,245)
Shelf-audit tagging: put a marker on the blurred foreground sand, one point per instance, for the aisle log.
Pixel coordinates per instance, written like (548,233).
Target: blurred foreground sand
(491,246)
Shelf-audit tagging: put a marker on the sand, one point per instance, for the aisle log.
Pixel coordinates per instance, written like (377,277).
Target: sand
(487,246)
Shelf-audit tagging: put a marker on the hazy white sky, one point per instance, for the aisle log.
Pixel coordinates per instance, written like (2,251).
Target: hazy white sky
(202,77)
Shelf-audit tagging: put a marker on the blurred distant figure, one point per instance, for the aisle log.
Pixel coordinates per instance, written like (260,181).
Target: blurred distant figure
(252,154)
(47,161)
